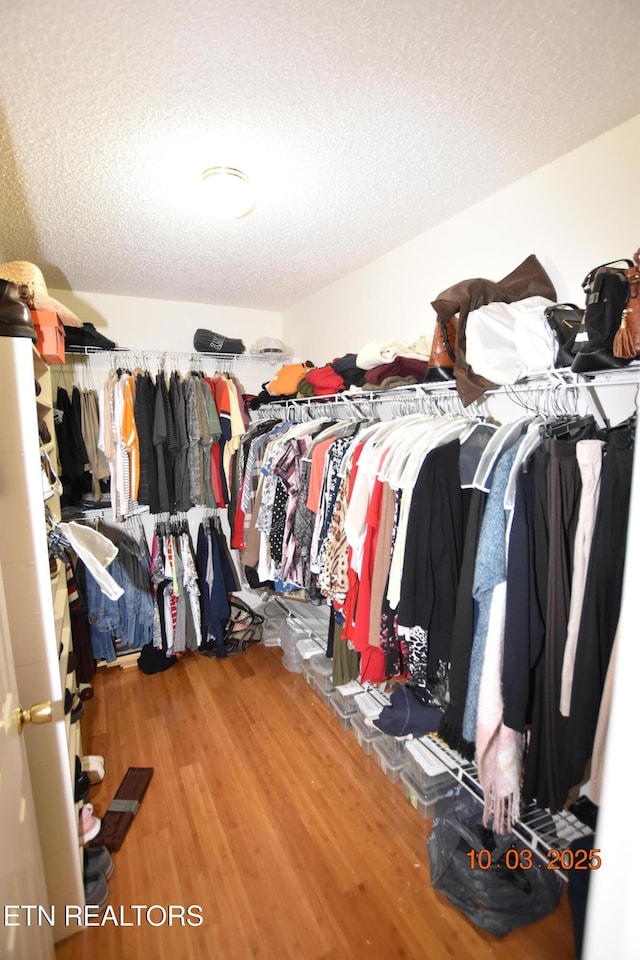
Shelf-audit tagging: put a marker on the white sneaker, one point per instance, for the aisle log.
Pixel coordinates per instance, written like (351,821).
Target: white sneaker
(93,764)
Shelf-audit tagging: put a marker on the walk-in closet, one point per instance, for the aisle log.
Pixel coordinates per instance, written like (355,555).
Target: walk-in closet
(319,510)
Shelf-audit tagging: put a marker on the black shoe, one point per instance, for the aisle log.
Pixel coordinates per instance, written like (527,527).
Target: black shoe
(81,783)
(73,705)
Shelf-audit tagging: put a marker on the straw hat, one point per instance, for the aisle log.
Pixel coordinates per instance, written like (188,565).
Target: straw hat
(22,273)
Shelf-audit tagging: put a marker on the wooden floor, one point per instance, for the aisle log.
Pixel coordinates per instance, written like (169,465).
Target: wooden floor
(264,812)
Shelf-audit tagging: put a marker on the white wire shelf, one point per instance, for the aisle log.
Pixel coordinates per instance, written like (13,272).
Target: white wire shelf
(539,829)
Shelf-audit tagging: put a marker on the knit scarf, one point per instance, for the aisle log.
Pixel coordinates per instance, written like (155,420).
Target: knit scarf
(499,748)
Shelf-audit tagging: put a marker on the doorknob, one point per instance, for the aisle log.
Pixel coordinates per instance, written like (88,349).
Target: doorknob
(38,713)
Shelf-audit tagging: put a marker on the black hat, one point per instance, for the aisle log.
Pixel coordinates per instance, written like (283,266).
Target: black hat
(205,341)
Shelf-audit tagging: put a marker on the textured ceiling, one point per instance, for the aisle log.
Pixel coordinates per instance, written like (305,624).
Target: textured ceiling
(362,124)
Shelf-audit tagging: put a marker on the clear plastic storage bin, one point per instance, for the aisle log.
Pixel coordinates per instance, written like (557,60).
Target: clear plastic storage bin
(388,759)
(306,672)
(370,703)
(292,661)
(322,670)
(423,800)
(365,735)
(324,696)
(424,767)
(345,697)
(336,706)
(395,748)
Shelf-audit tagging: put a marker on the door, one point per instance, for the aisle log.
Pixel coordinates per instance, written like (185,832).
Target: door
(35,621)
(25,931)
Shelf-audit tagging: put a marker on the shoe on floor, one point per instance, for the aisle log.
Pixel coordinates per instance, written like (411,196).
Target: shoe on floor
(73,705)
(93,765)
(81,783)
(96,890)
(77,709)
(89,826)
(86,691)
(98,859)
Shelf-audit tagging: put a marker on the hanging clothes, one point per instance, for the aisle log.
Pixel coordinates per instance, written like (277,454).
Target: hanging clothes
(218,578)
(123,620)
(447,547)
(182,495)
(177,618)
(72,452)
(148,487)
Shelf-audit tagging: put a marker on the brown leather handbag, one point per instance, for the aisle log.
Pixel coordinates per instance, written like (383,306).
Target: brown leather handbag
(443,352)
(626,343)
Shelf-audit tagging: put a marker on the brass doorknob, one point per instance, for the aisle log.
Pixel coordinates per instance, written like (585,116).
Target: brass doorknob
(38,713)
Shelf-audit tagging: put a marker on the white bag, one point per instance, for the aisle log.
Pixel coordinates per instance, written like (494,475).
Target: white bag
(507,342)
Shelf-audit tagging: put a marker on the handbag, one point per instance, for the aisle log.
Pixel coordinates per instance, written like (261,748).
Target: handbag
(564,320)
(626,343)
(243,627)
(606,290)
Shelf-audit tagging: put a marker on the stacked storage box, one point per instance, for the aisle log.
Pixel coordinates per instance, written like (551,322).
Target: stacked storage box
(322,672)
(364,734)
(370,703)
(291,632)
(343,702)
(274,619)
(309,647)
(425,779)
(390,756)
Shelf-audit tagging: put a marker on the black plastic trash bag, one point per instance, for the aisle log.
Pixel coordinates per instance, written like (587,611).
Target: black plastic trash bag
(509,893)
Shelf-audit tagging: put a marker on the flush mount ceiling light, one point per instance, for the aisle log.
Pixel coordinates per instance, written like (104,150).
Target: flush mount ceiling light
(230,193)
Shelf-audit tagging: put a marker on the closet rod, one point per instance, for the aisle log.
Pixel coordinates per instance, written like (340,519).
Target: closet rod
(183,354)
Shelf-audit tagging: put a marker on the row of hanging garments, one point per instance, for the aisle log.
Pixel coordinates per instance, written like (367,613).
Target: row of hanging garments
(191,587)
(481,563)
(163,441)
(111,586)
(84,470)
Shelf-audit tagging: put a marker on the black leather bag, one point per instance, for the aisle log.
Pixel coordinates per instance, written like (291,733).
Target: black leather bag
(564,320)
(606,290)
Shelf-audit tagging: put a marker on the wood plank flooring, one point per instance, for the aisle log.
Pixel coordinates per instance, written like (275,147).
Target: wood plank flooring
(267,814)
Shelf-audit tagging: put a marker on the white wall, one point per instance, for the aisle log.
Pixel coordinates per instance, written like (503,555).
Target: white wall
(167,324)
(574,213)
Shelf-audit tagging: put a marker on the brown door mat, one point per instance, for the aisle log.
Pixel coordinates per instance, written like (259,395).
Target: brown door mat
(123,808)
